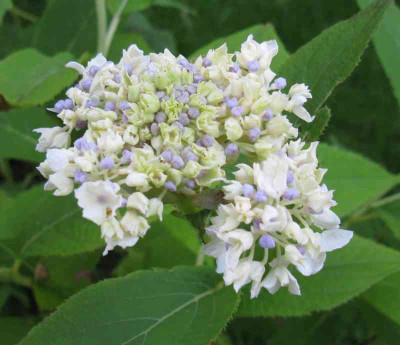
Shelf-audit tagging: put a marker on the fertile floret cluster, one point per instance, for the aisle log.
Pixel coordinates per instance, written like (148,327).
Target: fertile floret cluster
(157,124)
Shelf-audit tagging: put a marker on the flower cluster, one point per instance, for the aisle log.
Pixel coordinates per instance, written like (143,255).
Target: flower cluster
(157,124)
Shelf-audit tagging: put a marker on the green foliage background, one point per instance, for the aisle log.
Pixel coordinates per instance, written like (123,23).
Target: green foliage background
(48,253)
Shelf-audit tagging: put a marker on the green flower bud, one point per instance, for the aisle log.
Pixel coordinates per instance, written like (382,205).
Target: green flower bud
(216,96)
(192,169)
(206,124)
(149,102)
(145,134)
(260,105)
(172,109)
(170,135)
(233,129)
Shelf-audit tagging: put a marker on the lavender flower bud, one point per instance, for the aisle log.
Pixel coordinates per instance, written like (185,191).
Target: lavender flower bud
(109,106)
(82,145)
(183,118)
(107,163)
(161,117)
(267,241)
(90,104)
(254,134)
(176,94)
(86,84)
(184,97)
(291,194)
(290,177)
(261,196)
(124,202)
(125,119)
(154,128)
(80,176)
(117,78)
(179,125)
(197,78)
(193,112)
(232,102)
(268,115)
(69,104)
(160,94)
(170,186)
(280,83)
(126,156)
(190,184)
(257,222)
(253,66)
(59,106)
(231,149)
(191,89)
(247,190)
(167,155)
(165,98)
(301,249)
(123,105)
(177,162)
(128,69)
(207,62)
(179,87)
(190,156)
(207,141)
(80,124)
(237,111)
(93,70)
(235,68)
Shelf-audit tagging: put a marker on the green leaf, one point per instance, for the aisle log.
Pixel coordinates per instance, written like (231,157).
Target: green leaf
(313,130)
(28,77)
(385,297)
(123,41)
(390,214)
(5,291)
(329,59)
(13,329)
(131,6)
(184,306)
(67,26)
(260,32)
(355,179)
(387,45)
(16,126)
(346,274)
(4,6)
(38,223)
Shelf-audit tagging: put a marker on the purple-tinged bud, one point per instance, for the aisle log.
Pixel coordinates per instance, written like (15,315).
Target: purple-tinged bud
(291,194)
(197,78)
(126,156)
(232,102)
(90,104)
(301,249)
(179,125)
(69,104)
(177,162)
(184,97)
(190,184)
(207,140)
(235,68)
(191,89)
(183,118)
(109,106)
(267,241)
(125,119)
(93,70)
(221,87)
(80,124)
(170,186)
(154,128)
(280,83)
(123,105)
(82,145)
(199,143)
(179,87)
(312,211)
(193,112)
(231,149)
(207,62)
(261,196)
(160,94)
(191,156)
(237,111)
(254,134)
(268,115)
(80,176)
(165,98)
(128,69)
(124,202)
(176,94)
(107,163)
(290,177)
(59,106)
(253,66)
(203,99)
(161,117)
(257,222)
(86,84)
(117,78)
(183,62)
(247,190)
(167,155)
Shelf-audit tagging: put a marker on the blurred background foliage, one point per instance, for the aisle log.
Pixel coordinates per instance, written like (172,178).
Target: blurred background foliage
(365,119)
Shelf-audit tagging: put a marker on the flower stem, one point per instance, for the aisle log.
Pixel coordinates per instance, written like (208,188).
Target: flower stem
(200,257)
(113,27)
(24,14)
(101,25)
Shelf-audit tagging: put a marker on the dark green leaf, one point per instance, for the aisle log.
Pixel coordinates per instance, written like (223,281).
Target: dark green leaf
(390,214)
(184,306)
(28,78)
(131,6)
(4,6)
(260,32)
(16,126)
(313,130)
(387,45)
(37,223)
(347,273)
(329,59)
(67,26)
(123,41)
(5,291)
(13,329)
(355,179)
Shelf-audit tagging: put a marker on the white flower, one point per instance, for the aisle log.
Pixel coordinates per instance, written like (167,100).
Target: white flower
(55,137)
(320,198)
(280,276)
(99,60)
(110,142)
(231,190)
(155,208)
(245,174)
(299,94)
(139,202)
(227,218)
(126,242)
(134,224)
(335,239)
(326,220)
(136,179)
(61,183)
(99,200)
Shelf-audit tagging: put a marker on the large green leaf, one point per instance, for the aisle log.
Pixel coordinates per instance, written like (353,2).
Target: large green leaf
(328,59)
(4,6)
(355,179)
(184,306)
(67,26)
(38,223)
(13,329)
(169,243)
(131,5)
(387,44)
(16,127)
(385,296)
(347,273)
(313,130)
(390,215)
(28,77)
(260,32)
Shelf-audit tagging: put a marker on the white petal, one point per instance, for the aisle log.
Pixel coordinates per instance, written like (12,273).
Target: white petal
(335,239)
(76,66)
